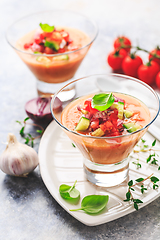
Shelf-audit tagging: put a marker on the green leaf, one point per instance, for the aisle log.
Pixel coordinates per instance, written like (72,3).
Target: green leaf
(154,179)
(69,192)
(27,118)
(130,183)
(136,206)
(46,27)
(159,168)
(154,143)
(73,145)
(155,186)
(39,131)
(149,158)
(137,201)
(128,195)
(19,122)
(22,131)
(93,204)
(102,101)
(139,179)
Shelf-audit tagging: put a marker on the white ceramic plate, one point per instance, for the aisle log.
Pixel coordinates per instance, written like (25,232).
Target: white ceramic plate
(61,163)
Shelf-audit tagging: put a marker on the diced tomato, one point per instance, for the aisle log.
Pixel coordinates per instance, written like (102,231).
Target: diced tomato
(95,124)
(47,34)
(37,48)
(56,36)
(88,106)
(114,117)
(27,45)
(38,38)
(61,50)
(65,36)
(48,50)
(107,126)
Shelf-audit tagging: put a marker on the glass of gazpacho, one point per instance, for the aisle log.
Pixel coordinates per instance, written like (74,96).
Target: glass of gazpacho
(53,44)
(105,121)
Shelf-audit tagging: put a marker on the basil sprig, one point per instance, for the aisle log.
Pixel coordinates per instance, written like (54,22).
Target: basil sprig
(46,27)
(93,204)
(69,192)
(102,101)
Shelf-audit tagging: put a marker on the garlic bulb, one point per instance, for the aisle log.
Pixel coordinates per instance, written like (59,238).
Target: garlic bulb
(18,159)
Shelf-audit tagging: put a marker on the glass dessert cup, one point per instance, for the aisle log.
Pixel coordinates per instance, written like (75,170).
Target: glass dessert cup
(51,74)
(106,159)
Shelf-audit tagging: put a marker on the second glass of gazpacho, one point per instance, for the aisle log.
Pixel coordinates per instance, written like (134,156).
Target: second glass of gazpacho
(105,121)
(53,44)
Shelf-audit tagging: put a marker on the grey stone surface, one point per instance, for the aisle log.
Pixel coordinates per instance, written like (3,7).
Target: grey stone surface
(27,210)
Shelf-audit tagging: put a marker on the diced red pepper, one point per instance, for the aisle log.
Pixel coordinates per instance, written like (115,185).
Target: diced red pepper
(27,45)
(88,106)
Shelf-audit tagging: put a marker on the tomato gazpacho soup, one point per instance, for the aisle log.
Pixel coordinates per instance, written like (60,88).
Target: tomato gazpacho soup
(43,47)
(108,125)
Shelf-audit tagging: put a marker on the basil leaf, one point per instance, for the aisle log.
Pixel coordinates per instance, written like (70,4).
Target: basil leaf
(69,192)
(102,101)
(93,204)
(52,45)
(46,28)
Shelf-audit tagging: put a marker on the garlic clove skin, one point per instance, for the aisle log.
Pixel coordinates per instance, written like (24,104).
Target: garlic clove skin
(18,159)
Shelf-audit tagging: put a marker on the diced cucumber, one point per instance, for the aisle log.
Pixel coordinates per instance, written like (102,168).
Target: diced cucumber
(127,113)
(61,57)
(120,107)
(131,127)
(83,124)
(53,45)
(98,132)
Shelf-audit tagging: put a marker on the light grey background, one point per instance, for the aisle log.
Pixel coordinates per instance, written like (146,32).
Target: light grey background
(27,210)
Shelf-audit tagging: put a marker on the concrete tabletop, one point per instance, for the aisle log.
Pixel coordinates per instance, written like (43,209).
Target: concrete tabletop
(27,210)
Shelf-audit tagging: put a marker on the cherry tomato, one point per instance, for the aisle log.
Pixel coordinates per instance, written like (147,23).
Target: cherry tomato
(147,73)
(131,64)
(158,80)
(122,42)
(116,58)
(153,53)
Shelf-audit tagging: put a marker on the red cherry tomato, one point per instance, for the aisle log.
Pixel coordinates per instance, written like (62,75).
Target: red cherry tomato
(56,36)
(122,42)
(153,53)
(38,38)
(147,73)
(158,80)
(116,58)
(131,64)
